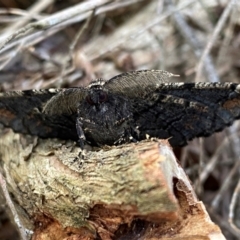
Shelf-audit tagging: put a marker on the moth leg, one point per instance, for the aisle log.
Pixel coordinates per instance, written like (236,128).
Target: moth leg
(127,136)
(132,134)
(81,135)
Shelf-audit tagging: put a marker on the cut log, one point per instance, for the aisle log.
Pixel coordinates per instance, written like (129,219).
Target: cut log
(130,191)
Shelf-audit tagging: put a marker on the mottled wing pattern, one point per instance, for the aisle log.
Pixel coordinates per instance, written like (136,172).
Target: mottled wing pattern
(22,111)
(158,108)
(137,83)
(182,111)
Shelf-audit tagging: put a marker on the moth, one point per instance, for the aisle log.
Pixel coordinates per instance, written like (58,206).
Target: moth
(128,107)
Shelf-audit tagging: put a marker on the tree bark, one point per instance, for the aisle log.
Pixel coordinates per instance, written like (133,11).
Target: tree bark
(120,192)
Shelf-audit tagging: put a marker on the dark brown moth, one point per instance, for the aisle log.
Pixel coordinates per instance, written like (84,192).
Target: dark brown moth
(128,107)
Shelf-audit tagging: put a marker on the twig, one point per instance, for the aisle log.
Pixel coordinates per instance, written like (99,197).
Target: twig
(191,38)
(9,19)
(228,36)
(140,30)
(35,9)
(72,49)
(213,38)
(15,11)
(18,12)
(13,54)
(34,38)
(161,48)
(206,9)
(225,185)
(79,34)
(234,202)
(55,19)
(10,204)
(214,159)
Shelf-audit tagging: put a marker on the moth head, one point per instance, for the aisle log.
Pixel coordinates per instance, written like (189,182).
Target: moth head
(97,97)
(96,94)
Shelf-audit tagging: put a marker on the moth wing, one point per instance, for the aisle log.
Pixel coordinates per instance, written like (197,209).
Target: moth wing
(65,102)
(181,112)
(137,83)
(23,111)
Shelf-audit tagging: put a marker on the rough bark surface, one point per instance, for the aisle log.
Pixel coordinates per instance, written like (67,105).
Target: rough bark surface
(124,192)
